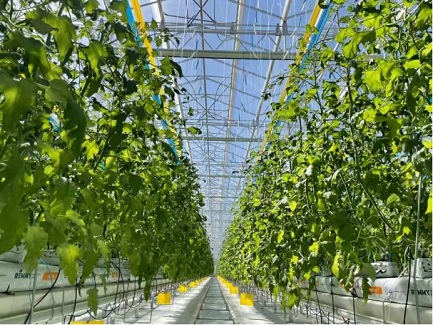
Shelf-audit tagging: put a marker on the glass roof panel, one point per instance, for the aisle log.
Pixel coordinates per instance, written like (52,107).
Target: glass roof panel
(225,53)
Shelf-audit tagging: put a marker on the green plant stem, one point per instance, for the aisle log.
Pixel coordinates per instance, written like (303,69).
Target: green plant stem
(355,153)
(2,152)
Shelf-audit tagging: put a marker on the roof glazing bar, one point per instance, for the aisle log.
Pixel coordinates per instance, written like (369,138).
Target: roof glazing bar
(220,54)
(217,139)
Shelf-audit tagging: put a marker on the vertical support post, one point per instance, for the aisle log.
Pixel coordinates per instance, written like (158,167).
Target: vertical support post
(33,295)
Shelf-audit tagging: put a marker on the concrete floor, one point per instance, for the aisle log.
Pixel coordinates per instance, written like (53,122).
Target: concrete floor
(184,310)
(259,313)
(208,303)
(214,309)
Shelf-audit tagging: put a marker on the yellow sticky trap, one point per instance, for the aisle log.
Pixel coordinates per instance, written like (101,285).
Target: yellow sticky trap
(247,299)
(164,298)
(183,288)
(234,289)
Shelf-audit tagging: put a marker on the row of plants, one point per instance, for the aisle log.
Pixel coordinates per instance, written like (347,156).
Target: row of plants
(85,167)
(343,182)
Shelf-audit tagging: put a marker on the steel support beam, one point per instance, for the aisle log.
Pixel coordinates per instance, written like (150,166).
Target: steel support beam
(230,164)
(216,210)
(245,124)
(220,54)
(220,139)
(231,29)
(223,176)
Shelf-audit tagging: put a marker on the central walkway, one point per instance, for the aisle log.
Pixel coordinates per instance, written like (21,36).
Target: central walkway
(208,303)
(214,309)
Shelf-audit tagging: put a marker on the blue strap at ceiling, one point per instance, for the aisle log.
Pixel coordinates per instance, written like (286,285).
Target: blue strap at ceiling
(313,41)
(155,97)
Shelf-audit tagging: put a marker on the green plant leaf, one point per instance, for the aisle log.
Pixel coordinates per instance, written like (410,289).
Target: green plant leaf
(429,206)
(280,236)
(413,64)
(58,92)
(323,4)
(91,5)
(193,130)
(169,149)
(166,67)
(373,80)
(18,99)
(69,255)
(36,54)
(369,270)
(13,224)
(351,49)
(92,149)
(90,258)
(336,265)
(314,248)
(36,241)
(92,300)
(369,115)
(74,127)
(365,289)
(424,15)
(293,204)
(94,53)
(96,230)
(75,217)
(61,200)
(177,68)
(103,250)
(320,204)
(337,219)
(427,144)
(61,28)
(392,199)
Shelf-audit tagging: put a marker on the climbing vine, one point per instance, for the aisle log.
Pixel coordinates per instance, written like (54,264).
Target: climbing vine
(340,189)
(85,167)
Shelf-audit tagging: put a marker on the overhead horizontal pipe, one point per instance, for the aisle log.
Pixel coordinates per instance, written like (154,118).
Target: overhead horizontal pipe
(223,176)
(220,54)
(215,195)
(220,139)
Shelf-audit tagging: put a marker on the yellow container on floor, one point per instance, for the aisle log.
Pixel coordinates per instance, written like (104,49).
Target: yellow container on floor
(183,288)
(164,298)
(234,289)
(247,299)
(193,284)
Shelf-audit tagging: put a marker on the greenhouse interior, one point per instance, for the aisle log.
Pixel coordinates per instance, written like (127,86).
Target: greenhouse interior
(216,161)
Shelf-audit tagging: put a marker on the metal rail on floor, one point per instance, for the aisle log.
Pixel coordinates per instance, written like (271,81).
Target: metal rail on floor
(214,308)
